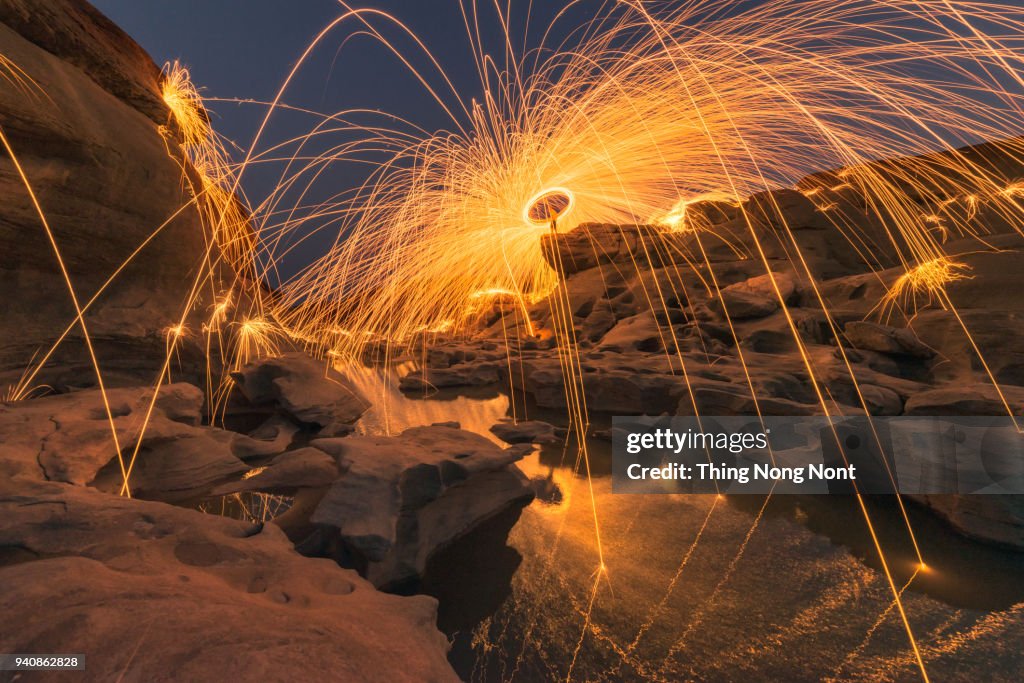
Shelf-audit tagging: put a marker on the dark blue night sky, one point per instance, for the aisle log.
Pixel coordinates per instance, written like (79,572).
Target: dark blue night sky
(245,48)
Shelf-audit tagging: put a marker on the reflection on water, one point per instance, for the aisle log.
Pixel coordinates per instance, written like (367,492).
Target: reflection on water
(701,588)
(393,411)
(959,572)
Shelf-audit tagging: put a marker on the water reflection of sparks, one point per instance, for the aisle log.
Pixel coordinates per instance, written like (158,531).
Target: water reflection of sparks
(552,484)
(674,571)
(393,411)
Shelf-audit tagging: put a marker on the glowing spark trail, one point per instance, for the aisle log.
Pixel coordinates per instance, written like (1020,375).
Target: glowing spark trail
(654,112)
(655,115)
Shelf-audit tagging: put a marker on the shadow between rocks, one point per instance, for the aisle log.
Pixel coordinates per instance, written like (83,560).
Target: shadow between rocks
(471,578)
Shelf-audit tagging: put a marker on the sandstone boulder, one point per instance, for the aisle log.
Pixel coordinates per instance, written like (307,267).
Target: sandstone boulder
(871,336)
(400,499)
(526,431)
(592,244)
(308,390)
(306,467)
(154,592)
(881,400)
(640,332)
(756,297)
(783,209)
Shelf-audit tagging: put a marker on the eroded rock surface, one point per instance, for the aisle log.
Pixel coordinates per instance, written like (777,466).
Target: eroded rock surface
(88,136)
(153,592)
(302,468)
(862,334)
(307,390)
(69,438)
(401,498)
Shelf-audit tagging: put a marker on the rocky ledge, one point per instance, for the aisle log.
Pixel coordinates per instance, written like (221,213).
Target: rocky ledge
(364,511)
(402,498)
(155,592)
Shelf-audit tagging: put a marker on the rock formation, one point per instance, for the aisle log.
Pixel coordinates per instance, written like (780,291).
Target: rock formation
(307,391)
(645,301)
(403,498)
(69,438)
(92,135)
(154,592)
(382,505)
(528,431)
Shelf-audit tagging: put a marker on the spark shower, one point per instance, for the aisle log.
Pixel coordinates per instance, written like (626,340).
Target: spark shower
(647,114)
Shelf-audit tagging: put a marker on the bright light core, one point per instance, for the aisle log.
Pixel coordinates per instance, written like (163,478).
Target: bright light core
(548,205)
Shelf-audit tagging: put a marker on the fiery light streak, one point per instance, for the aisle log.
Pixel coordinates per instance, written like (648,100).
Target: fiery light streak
(71,293)
(856,652)
(254,339)
(923,285)
(650,112)
(626,654)
(680,643)
(23,389)
(14,75)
